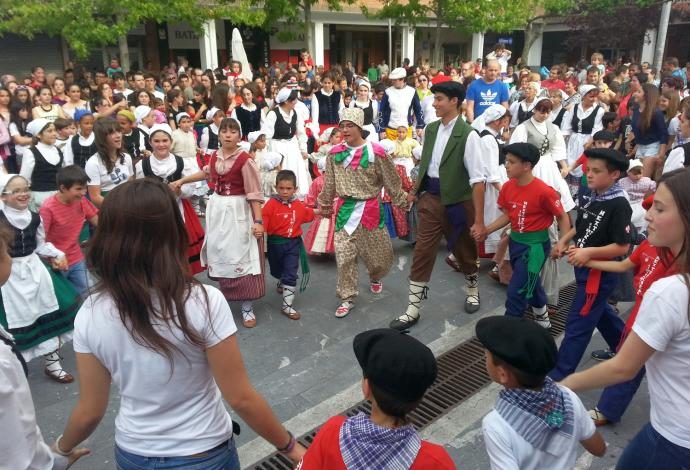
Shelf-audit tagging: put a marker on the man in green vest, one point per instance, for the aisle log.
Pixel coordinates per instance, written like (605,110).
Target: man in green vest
(450,200)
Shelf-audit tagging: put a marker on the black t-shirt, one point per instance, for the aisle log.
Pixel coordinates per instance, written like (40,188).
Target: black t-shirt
(603,222)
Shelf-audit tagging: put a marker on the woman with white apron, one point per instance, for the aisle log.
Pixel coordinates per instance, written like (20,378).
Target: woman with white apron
(370,107)
(523,110)
(284,130)
(580,123)
(38,305)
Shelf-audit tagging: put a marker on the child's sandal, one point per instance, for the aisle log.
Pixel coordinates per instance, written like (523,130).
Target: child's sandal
(293,315)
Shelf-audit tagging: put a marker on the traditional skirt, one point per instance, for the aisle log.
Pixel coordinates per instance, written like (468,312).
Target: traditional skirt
(195,234)
(292,160)
(234,257)
(319,238)
(388,219)
(37,307)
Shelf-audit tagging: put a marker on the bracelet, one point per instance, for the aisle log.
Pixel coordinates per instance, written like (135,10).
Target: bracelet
(60,451)
(290,445)
(259,221)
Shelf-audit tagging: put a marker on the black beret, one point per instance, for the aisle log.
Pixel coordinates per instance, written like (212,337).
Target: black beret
(607,136)
(395,362)
(614,157)
(451,89)
(524,151)
(519,342)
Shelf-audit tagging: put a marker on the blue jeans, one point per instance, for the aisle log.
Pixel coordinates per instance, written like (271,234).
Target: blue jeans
(517,302)
(649,450)
(77,274)
(223,457)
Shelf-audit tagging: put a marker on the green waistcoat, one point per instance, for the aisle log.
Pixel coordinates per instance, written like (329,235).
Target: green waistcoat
(455,184)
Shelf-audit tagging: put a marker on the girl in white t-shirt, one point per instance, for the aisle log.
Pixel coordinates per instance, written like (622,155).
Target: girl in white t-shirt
(110,166)
(165,341)
(659,341)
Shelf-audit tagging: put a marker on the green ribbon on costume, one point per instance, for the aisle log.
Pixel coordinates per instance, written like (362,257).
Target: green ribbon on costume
(363,160)
(534,258)
(346,209)
(303,260)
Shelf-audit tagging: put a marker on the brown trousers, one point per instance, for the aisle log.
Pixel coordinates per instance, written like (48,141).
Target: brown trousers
(432,224)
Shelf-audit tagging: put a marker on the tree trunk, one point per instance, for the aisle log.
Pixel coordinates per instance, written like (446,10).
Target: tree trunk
(124,51)
(532,31)
(309,30)
(437,59)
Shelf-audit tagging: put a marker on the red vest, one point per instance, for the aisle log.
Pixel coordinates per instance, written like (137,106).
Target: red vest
(231,183)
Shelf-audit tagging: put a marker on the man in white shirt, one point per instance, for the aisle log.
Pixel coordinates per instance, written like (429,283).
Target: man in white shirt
(450,188)
(399,105)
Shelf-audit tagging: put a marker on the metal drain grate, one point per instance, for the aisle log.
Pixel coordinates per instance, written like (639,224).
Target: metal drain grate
(461,374)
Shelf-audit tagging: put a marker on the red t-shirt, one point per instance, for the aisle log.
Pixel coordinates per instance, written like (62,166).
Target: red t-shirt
(285,220)
(551,85)
(63,223)
(648,268)
(324,452)
(532,207)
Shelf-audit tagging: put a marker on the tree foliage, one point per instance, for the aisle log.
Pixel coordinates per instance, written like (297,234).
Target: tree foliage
(468,16)
(87,24)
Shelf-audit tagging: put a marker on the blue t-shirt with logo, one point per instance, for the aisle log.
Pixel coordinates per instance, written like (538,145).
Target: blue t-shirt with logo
(484,95)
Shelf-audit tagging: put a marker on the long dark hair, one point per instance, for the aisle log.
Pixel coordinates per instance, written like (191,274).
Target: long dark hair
(651,105)
(15,107)
(101,130)
(138,255)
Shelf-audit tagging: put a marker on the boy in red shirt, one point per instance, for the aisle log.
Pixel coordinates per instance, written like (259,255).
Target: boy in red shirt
(63,216)
(397,370)
(283,216)
(529,205)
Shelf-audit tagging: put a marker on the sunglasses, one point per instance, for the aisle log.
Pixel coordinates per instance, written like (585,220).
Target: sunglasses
(302,71)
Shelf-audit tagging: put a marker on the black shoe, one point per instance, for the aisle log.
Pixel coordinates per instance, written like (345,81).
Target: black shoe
(402,325)
(603,355)
(471,307)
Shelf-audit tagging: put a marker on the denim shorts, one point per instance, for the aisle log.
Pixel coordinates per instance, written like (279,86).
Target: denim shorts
(649,150)
(222,457)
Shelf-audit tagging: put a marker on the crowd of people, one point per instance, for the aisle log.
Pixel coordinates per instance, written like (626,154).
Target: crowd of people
(119,188)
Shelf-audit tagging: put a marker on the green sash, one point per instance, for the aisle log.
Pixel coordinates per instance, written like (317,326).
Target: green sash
(534,259)
(303,260)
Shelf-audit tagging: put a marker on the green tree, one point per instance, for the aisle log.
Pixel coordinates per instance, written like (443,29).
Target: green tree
(88,24)
(466,16)
(580,9)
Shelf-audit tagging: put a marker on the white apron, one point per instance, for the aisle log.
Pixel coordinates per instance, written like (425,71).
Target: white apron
(293,161)
(547,171)
(408,163)
(493,212)
(230,249)
(576,146)
(28,293)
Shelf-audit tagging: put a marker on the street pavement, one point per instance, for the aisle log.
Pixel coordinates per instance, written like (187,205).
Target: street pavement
(307,371)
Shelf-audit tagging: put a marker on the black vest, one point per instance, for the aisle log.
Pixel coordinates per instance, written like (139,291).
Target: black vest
(250,120)
(212,139)
(587,123)
(501,155)
(559,118)
(176,175)
(328,107)
(523,115)
(24,242)
(131,142)
(283,130)
(81,153)
(368,113)
(44,175)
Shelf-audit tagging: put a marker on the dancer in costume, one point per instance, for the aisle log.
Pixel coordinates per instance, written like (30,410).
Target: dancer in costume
(450,188)
(38,305)
(356,171)
(286,135)
(233,214)
(167,167)
(319,237)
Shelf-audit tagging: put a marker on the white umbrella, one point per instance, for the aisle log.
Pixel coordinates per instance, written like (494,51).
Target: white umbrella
(240,55)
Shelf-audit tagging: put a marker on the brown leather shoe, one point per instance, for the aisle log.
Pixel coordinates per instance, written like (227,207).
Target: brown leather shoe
(59,376)
(251,323)
(294,315)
